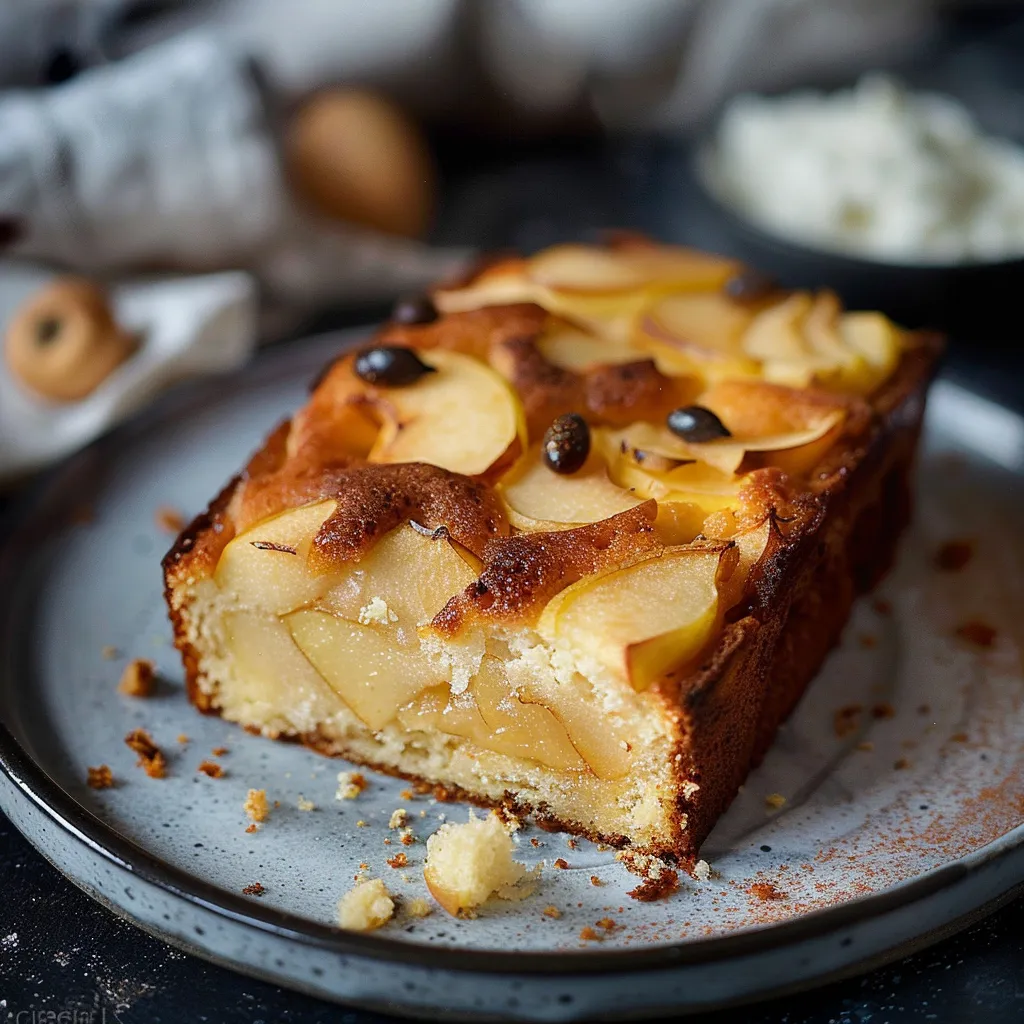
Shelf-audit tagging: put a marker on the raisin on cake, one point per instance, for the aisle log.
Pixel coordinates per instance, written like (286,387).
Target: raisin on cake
(574,544)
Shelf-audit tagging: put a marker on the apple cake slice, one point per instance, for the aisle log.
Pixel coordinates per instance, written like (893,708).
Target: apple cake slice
(572,536)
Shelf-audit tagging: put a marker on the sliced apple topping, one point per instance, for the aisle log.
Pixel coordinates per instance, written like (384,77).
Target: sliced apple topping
(699,333)
(611,623)
(411,572)
(267,567)
(807,340)
(538,499)
(464,418)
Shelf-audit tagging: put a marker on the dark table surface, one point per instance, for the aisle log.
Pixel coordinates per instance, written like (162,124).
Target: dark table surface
(62,953)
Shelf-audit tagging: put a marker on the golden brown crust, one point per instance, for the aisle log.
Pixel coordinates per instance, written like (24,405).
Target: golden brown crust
(524,572)
(374,499)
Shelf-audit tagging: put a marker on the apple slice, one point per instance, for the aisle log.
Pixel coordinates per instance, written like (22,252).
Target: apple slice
(695,483)
(412,573)
(539,499)
(709,325)
(363,665)
(578,351)
(271,673)
(876,338)
(586,269)
(793,451)
(267,566)
(464,418)
(642,622)
(528,731)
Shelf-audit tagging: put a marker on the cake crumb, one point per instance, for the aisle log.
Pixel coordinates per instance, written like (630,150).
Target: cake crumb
(400,860)
(418,907)
(954,555)
(594,880)
(366,906)
(109,652)
(866,746)
(305,805)
(407,794)
(958,737)
(399,818)
(407,837)
(468,864)
(561,863)
(183,739)
(361,824)
(376,612)
(607,924)
(220,751)
(350,785)
(978,633)
(211,768)
(883,710)
(254,889)
(251,828)
(766,892)
(552,912)
(100,778)
(138,678)
(572,844)
(169,519)
(656,887)
(900,764)
(151,758)
(587,934)
(775,801)
(256,806)
(702,871)
(535,843)
(846,720)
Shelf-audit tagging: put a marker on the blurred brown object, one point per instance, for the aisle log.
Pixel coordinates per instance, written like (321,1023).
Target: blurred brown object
(63,342)
(356,157)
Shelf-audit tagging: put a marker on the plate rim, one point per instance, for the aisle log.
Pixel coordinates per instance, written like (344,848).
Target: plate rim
(77,821)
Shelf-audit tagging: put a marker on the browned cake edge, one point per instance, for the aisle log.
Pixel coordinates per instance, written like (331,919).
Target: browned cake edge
(797,602)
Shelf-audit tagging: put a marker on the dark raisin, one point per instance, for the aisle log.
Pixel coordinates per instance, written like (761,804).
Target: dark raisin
(47,330)
(414,309)
(750,285)
(695,423)
(393,366)
(567,443)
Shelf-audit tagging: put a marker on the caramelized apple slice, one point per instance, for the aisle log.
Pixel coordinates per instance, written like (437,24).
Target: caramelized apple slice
(695,483)
(588,270)
(364,666)
(464,417)
(709,325)
(539,499)
(644,621)
(411,573)
(266,567)
(876,338)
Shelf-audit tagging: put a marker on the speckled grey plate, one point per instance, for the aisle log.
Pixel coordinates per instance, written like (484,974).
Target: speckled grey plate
(902,828)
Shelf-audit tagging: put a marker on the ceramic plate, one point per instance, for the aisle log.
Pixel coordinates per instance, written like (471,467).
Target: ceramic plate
(886,814)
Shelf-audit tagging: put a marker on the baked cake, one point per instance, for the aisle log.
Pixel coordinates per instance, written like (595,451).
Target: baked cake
(570,536)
